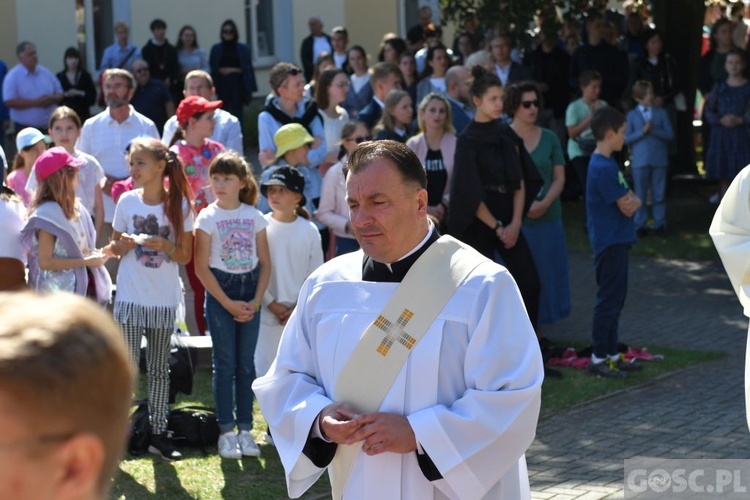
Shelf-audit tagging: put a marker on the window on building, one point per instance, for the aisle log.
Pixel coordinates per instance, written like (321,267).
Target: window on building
(260,31)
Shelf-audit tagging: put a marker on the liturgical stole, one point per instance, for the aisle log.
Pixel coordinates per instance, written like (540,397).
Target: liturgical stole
(385,346)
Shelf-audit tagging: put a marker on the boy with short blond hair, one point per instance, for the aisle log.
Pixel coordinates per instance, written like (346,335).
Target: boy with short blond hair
(648,134)
(610,205)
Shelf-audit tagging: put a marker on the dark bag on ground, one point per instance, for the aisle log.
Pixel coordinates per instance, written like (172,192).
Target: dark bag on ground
(193,426)
(140,429)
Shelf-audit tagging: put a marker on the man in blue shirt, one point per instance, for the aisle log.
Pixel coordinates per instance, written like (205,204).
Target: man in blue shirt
(121,54)
(31,91)
(152,97)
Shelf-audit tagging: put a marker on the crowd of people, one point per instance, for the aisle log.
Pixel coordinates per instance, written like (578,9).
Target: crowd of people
(153,193)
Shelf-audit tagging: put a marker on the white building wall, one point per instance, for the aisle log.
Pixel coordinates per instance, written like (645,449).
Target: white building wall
(50,25)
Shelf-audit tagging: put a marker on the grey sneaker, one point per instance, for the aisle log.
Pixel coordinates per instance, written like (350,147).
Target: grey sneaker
(229,446)
(248,445)
(606,369)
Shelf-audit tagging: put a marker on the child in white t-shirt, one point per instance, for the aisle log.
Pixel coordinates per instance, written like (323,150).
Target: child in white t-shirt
(294,244)
(232,262)
(152,234)
(65,128)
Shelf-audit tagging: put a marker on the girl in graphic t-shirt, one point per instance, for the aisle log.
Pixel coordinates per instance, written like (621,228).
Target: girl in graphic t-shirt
(152,234)
(232,262)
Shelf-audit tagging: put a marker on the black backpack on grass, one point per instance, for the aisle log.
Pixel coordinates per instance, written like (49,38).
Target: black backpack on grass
(194,427)
(188,426)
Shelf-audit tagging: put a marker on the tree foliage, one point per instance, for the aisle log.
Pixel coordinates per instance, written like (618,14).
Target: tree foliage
(519,18)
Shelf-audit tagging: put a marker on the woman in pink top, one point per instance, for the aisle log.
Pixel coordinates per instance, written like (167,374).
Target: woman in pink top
(195,116)
(435,146)
(30,145)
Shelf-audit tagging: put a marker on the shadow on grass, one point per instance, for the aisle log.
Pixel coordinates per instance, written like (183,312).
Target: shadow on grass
(166,480)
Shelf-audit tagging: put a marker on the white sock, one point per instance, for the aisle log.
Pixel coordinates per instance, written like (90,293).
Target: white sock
(596,360)
(614,357)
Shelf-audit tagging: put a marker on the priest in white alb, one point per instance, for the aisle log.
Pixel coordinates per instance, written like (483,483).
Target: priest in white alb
(408,370)
(730,231)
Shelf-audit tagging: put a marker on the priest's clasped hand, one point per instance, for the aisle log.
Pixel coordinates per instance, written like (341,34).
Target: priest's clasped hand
(384,432)
(381,432)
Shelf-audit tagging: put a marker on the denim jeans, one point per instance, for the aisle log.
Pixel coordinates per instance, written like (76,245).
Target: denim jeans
(611,266)
(654,178)
(233,351)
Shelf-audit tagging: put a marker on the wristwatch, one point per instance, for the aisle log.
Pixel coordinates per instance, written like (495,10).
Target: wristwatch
(498,225)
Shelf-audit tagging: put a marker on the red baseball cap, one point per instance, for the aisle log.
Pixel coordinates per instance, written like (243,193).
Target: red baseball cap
(55,159)
(195,104)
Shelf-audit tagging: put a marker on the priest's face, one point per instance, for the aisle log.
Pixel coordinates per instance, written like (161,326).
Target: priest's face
(388,213)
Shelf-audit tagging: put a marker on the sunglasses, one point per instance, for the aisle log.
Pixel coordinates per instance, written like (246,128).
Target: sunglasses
(528,104)
(360,140)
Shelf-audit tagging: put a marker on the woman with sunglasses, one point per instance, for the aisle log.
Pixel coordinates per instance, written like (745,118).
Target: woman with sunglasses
(330,91)
(435,145)
(334,210)
(543,227)
(232,70)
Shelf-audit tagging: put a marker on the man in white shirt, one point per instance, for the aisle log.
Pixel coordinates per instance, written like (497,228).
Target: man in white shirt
(460,414)
(227,131)
(107,135)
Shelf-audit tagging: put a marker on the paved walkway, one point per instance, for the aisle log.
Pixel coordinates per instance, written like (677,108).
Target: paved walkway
(698,413)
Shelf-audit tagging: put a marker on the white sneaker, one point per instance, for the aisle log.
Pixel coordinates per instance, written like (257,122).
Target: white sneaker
(229,447)
(247,444)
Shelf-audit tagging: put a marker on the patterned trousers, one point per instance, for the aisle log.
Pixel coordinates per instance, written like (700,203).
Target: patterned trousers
(157,365)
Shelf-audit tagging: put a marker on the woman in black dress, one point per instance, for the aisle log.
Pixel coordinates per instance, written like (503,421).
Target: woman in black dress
(79,92)
(232,71)
(493,185)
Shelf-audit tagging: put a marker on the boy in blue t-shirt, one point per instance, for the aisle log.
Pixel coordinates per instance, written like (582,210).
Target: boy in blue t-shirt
(610,205)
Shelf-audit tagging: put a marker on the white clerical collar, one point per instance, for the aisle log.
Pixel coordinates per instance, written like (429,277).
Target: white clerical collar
(380,103)
(430,229)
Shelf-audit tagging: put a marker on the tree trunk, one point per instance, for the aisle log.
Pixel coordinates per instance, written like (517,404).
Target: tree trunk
(681,25)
